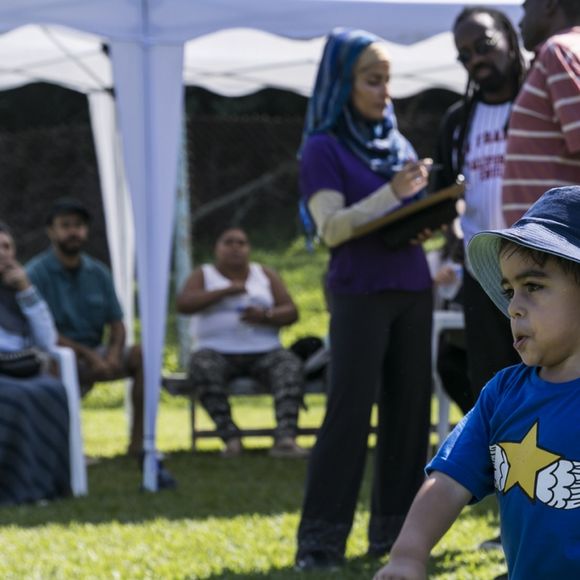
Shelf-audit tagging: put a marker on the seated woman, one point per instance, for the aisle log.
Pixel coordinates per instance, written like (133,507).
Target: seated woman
(34,421)
(240,308)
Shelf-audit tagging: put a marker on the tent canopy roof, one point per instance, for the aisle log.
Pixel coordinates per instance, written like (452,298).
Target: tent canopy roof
(232,48)
(76,60)
(176,21)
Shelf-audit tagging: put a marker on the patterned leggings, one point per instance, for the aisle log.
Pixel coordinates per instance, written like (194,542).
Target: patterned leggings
(280,369)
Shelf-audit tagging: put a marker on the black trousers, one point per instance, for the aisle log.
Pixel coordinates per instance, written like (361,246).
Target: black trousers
(380,351)
(487,334)
(452,368)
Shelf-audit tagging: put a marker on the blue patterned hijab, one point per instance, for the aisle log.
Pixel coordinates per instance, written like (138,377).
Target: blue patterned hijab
(379,145)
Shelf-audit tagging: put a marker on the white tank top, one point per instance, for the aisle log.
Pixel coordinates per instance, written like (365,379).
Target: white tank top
(219,327)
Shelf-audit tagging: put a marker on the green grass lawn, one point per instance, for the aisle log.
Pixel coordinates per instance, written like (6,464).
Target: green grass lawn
(233,518)
(228,518)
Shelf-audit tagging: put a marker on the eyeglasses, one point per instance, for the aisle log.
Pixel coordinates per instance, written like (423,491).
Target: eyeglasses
(481,47)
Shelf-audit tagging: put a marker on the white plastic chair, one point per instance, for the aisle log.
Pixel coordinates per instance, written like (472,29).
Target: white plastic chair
(67,365)
(443,320)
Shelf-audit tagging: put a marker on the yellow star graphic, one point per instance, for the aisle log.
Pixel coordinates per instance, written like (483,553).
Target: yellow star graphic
(525,460)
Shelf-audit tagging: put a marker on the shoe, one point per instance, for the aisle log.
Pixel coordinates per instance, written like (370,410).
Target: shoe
(164,478)
(318,561)
(287,448)
(377,551)
(492,544)
(233,448)
(91,460)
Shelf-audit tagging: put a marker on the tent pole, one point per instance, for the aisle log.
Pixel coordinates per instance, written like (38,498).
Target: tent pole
(183,261)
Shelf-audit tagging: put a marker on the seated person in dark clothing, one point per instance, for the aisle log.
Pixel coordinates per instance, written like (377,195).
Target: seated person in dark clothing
(240,307)
(34,420)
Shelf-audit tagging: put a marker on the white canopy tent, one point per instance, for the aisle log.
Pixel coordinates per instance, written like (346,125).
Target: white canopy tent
(261,59)
(77,60)
(146,40)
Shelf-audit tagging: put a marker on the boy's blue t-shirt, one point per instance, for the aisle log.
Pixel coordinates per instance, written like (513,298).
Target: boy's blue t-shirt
(523,439)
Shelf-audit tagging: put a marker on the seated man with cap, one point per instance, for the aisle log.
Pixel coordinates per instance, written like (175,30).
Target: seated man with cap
(80,293)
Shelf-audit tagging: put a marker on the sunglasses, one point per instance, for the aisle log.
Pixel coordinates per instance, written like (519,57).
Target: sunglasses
(481,47)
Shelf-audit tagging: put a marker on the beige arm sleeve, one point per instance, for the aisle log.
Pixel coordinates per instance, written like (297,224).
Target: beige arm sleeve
(336,223)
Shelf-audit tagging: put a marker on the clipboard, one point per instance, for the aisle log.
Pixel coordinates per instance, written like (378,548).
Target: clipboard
(400,226)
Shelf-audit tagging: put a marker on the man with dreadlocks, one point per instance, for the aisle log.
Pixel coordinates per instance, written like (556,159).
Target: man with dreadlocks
(472,142)
(543,147)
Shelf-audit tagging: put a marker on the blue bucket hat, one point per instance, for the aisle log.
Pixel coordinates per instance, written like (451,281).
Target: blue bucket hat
(551,225)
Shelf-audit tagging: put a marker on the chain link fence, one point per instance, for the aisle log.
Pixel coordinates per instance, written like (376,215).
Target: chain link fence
(242,171)
(40,165)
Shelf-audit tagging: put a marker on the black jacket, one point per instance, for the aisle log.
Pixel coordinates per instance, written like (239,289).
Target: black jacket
(448,152)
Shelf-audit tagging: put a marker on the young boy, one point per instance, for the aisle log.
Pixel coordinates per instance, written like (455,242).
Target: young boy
(523,435)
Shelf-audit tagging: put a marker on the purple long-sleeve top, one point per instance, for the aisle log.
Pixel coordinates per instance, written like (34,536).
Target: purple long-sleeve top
(362,265)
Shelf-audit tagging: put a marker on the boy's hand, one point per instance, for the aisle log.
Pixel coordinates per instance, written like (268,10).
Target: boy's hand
(402,569)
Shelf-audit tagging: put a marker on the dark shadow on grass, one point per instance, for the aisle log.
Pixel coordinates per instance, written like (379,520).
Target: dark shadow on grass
(354,569)
(208,486)
(449,563)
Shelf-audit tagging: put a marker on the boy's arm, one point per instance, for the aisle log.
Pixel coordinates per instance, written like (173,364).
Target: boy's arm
(434,509)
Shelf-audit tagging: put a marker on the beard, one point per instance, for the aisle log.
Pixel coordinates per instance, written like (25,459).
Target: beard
(70,246)
(494,81)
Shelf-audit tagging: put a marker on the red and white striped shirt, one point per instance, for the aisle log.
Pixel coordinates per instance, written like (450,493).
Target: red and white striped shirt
(543,149)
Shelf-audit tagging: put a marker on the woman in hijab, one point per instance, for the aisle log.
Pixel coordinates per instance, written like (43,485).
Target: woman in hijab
(34,420)
(355,166)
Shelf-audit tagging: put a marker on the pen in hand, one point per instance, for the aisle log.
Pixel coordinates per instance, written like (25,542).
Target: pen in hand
(411,179)
(429,166)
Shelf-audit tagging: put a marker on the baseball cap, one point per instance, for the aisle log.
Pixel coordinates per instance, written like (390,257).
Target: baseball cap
(67,205)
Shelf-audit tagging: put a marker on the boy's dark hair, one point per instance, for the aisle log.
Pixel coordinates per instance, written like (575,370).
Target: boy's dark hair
(569,267)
